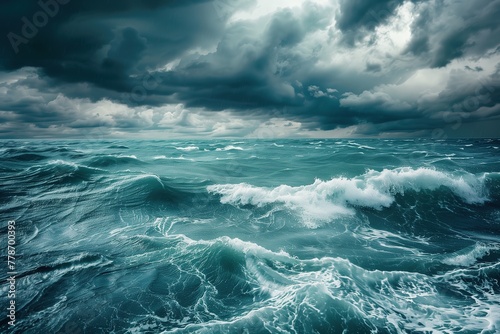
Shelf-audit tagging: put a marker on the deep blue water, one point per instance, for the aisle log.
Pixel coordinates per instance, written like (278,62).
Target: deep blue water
(253,236)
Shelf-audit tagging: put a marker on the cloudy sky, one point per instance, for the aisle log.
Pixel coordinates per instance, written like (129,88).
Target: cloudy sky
(249,68)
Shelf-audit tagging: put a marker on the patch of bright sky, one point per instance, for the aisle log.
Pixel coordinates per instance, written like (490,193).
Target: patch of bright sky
(397,32)
(266,7)
(390,39)
(428,83)
(261,9)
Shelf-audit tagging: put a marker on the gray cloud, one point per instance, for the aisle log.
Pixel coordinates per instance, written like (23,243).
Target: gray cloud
(127,67)
(447,30)
(359,17)
(106,43)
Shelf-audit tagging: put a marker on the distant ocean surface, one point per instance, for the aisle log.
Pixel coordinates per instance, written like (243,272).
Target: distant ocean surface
(252,236)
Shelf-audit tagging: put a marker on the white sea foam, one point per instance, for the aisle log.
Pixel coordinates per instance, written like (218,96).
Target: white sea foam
(470,256)
(126,156)
(63,163)
(407,301)
(67,163)
(188,148)
(164,157)
(329,199)
(361,146)
(230,148)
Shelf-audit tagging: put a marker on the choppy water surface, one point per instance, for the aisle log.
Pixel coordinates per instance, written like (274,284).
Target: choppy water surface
(287,236)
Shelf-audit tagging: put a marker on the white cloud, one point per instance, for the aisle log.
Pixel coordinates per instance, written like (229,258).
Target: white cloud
(379,100)
(316,92)
(267,7)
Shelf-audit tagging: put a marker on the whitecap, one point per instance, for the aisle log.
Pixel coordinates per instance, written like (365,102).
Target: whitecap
(126,156)
(469,256)
(230,148)
(63,163)
(188,148)
(324,200)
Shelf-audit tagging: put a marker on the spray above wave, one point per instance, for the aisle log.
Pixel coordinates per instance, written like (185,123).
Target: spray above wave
(324,200)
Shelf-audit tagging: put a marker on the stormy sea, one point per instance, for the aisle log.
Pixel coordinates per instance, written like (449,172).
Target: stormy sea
(250,236)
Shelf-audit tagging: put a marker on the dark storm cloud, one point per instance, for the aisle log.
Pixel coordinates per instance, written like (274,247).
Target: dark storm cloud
(475,69)
(356,17)
(373,67)
(265,68)
(447,30)
(468,97)
(253,67)
(248,70)
(104,42)
(463,104)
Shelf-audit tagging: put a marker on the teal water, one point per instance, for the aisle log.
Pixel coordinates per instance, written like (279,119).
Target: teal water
(253,236)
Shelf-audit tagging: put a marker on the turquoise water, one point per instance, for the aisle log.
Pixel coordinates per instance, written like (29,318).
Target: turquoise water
(253,236)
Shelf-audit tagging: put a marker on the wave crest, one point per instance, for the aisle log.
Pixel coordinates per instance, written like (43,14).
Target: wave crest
(329,199)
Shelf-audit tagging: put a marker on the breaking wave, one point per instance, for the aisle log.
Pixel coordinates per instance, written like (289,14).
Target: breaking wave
(325,200)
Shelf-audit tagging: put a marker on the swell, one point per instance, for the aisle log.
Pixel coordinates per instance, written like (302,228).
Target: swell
(407,249)
(331,294)
(26,157)
(59,172)
(181,285)
(113,161)
(326,200)
(243,285)
(145,189)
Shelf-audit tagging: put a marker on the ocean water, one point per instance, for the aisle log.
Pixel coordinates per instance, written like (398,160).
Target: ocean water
(252,236)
